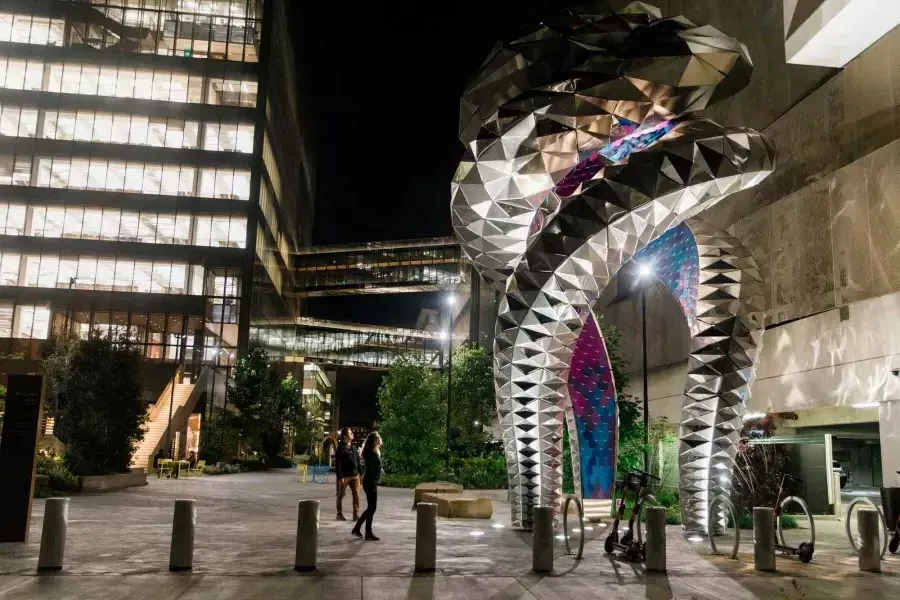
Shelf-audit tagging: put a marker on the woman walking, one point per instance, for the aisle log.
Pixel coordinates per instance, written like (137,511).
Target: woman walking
(371,454)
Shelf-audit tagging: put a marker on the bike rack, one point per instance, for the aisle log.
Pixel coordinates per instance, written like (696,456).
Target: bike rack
(711,523)
(851,539)
(580,508)
(809,516)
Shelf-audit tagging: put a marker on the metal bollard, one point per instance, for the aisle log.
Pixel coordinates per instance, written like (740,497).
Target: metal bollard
(869,523)
(655,548)
(307,536)
(764,538)
(426,536)
(53,535)
(542,540)
(181,554)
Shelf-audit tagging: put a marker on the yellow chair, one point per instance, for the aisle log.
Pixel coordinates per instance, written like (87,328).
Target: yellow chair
(303,473)
(197,470)
(167,469)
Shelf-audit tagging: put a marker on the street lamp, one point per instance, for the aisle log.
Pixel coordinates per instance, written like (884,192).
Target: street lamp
(645,272)
(178,350)
(448,335)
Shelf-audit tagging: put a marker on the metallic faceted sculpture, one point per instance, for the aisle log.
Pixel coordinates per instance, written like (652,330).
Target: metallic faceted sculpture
(583,147)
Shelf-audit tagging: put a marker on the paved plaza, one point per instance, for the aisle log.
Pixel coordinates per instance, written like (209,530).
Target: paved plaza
(118,547)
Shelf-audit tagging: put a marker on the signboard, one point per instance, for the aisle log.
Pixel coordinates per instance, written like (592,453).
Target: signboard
(18,448)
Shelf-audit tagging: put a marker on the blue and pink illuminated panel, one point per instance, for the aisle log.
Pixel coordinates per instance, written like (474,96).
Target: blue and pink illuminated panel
(675,262)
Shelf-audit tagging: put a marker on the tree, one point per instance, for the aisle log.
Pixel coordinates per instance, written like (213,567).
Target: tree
(55,365)
(413,414)
(263,402)
(472,402)
(101,405)
(309,427)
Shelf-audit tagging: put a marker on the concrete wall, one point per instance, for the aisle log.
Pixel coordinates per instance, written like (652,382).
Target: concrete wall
(822,361)
(111,483)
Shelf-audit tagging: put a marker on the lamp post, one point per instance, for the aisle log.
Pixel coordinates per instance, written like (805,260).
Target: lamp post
(178,337)
(451,301)
(645,272)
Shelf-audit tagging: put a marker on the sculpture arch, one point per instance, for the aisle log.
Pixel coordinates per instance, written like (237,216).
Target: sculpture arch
(582,149)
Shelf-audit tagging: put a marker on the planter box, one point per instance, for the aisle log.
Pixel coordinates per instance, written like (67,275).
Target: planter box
(110,483)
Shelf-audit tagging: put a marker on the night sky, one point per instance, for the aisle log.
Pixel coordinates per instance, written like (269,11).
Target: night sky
(385,81)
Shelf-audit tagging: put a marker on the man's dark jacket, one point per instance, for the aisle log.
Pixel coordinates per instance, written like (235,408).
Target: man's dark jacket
(346,461)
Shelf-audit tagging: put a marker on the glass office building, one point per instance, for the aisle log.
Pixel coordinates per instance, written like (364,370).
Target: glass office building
(143,192)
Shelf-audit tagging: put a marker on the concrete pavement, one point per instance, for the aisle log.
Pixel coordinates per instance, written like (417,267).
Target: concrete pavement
(118,548)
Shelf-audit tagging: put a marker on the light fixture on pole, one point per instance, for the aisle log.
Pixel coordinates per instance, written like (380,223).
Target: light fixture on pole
(448,335)
(645,273)
(179,367)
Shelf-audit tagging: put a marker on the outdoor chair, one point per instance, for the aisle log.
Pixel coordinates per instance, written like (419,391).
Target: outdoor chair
(197,470)
(302,473)
(166,469)
(320,474)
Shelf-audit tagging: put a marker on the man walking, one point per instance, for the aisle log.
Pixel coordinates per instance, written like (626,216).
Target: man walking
(346,467)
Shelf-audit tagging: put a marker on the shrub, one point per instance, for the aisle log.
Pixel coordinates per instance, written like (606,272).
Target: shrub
(477,473)
(223,469)
(481,473)
(279,462)
(400,480)
(673,515)
(61,479)
(254,464)
(667,497)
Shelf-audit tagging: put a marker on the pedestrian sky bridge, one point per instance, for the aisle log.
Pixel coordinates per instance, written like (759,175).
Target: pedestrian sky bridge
(424,265)
(348,344)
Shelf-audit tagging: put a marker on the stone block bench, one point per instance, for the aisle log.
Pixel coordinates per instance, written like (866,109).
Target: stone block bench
(435,487)
(461,506)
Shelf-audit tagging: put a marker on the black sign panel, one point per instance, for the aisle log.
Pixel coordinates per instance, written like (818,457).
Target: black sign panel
(18,447)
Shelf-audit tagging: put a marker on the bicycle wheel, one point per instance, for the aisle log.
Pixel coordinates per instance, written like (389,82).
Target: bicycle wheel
(713,523)
(580,508)
(848,529)
(812,525)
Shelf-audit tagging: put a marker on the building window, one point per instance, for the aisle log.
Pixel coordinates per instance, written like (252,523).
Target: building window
(116,225)
(124,82)
(28,322)
(28,29)
(225,183)
(229,137)
(121,274)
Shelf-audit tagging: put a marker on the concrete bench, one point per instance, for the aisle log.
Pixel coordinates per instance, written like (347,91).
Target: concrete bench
(435,487)
(460,506)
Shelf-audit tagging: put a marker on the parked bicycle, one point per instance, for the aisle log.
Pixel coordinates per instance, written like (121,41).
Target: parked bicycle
(631,545)
(722,514)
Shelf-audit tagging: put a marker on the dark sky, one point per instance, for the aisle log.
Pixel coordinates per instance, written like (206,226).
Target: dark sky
(385,80)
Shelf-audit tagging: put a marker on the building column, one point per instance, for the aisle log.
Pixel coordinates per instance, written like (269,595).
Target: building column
(182,443)
(889,432)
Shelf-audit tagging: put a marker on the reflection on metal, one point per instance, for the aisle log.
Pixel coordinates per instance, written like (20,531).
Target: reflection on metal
(427,265)
(582,147)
